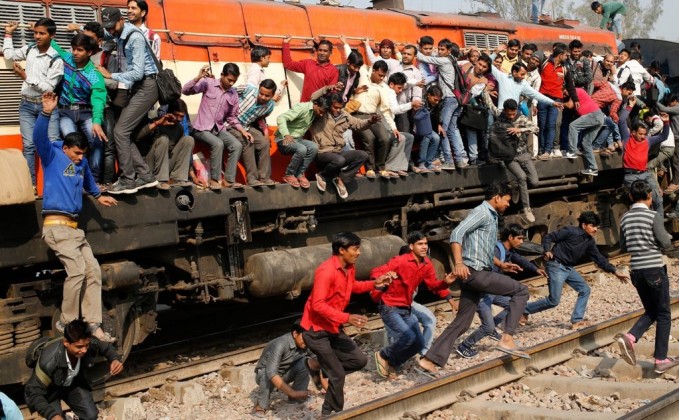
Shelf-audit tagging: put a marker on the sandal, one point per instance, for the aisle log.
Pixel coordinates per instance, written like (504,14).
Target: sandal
(290,179)
(370,174)
(402,173)
(381,370)
(303,182)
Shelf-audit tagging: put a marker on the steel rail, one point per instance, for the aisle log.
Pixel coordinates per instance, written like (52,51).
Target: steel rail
(445,391)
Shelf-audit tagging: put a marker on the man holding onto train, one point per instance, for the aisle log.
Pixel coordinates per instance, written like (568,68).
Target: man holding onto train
(66,176)
(334,283)
(473,244)
(317,73)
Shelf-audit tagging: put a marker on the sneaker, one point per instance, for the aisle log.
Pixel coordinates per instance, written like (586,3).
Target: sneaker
(448,166)
(466,351)
(330,3)
(665,365)
(580,324)
(495,335)
(528,215)
(148,181)
(627,349)
(544,156)
(570,155)
(320,183)
(100,334)
(462,164)
(122,186)
(556,153)
(341,189)
(589,172)
(60,326)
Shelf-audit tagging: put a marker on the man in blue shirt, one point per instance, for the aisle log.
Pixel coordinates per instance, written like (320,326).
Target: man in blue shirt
(506,260)
(139,77)
(563,250)
(473,243)
(67,174)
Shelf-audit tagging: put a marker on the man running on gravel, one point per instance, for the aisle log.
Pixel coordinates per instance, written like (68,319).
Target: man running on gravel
(643,235)
(473,245)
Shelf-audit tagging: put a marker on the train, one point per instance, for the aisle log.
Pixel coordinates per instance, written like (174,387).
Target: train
(189,246)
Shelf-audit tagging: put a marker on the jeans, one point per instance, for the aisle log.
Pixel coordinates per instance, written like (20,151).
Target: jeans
(547,115)
(303,153)
(664,155)
(111,113)
(298,375)
(429,146)
(653,287)
(428,321)
(28,114)
(450,112)
(406,327)
(472,142)
(589,125)
(523,168)
(559,274)
(71,121)
(338,355)
(656,193)
(536,9)
(217,144)
(609,128)
(256,157)
(477,284)
(488,322)
(616,26)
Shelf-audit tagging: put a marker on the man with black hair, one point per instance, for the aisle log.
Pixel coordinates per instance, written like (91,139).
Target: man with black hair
(292,125)
(349,73)
(473,243)
(510,55)
(590,119)
(43,72)
(579,66)
(505,260)
(138,76)
(428,130)
(137,13)
(218,111)
(59,374)
(83,98)
(336,164)
(631,69)
(611,13)
(334,283)
(564,249)
(412,90)
(643,235)
(317,73)
(66,176)
(429,71)
(527,51)
(407,272)
(284,361)
(166,144)
(398,159)
(671,107)
(260,57)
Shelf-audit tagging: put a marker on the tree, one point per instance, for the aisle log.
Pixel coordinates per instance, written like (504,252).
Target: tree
(638,22)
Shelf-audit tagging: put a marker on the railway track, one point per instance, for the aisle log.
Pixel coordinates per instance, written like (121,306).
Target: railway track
(126,386)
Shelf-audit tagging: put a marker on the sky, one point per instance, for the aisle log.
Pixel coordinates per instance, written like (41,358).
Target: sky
(664,26)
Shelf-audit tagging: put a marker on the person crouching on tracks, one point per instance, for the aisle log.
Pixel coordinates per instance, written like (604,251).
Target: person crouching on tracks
(284,360)
(407,272)
(59,374)
(334,282)
(643,235)
(473,243)
(505,260)
(563,250)
(67,174)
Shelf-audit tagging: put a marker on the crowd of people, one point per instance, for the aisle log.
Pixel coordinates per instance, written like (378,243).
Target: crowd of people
(420,108)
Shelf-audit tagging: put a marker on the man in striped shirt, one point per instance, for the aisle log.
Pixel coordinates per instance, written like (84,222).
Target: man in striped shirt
(473,246)
(643,235)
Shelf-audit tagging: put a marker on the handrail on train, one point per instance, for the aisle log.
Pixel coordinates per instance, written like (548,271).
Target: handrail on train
(303,38)
(182,33)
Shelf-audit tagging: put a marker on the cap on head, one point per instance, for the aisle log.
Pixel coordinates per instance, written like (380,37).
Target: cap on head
(109,17)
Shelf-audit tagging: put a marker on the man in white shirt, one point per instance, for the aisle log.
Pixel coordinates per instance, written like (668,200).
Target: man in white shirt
(399,156)
(412,89)
(137,12)
(630,67)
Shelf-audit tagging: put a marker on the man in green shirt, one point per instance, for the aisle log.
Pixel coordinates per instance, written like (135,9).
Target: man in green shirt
(611,16)
(292,125)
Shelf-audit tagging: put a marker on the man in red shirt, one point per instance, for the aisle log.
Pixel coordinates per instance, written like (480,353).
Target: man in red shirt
(589,122)
(317,73)
(334,282)
(635,153)
(410,270)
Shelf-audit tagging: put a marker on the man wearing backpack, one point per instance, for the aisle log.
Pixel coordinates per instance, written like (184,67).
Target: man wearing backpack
(630,68)
(137,13)
(43,72)
(59,374)
(507,145)
(139,76)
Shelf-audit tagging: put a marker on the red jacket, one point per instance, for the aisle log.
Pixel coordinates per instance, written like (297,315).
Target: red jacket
(410,275)
(316,75)
(330,295)
(554,79)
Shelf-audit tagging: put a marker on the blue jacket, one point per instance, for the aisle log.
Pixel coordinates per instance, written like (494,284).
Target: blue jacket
(64,180)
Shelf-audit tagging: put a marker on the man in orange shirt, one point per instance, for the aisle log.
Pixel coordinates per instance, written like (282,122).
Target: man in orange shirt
(334,282)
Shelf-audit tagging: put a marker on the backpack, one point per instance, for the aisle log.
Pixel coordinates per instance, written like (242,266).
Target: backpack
(35,349)
(629,77)
(459,87)
(502,145)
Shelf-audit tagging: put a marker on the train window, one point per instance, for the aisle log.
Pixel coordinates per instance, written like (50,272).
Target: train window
(64,14)
(24,14)
(10,86)
(484,41)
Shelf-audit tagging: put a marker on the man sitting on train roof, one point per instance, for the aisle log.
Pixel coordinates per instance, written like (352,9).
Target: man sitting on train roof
(60,374)
(285,360)
(317,73)
(66,176)
(335,162)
